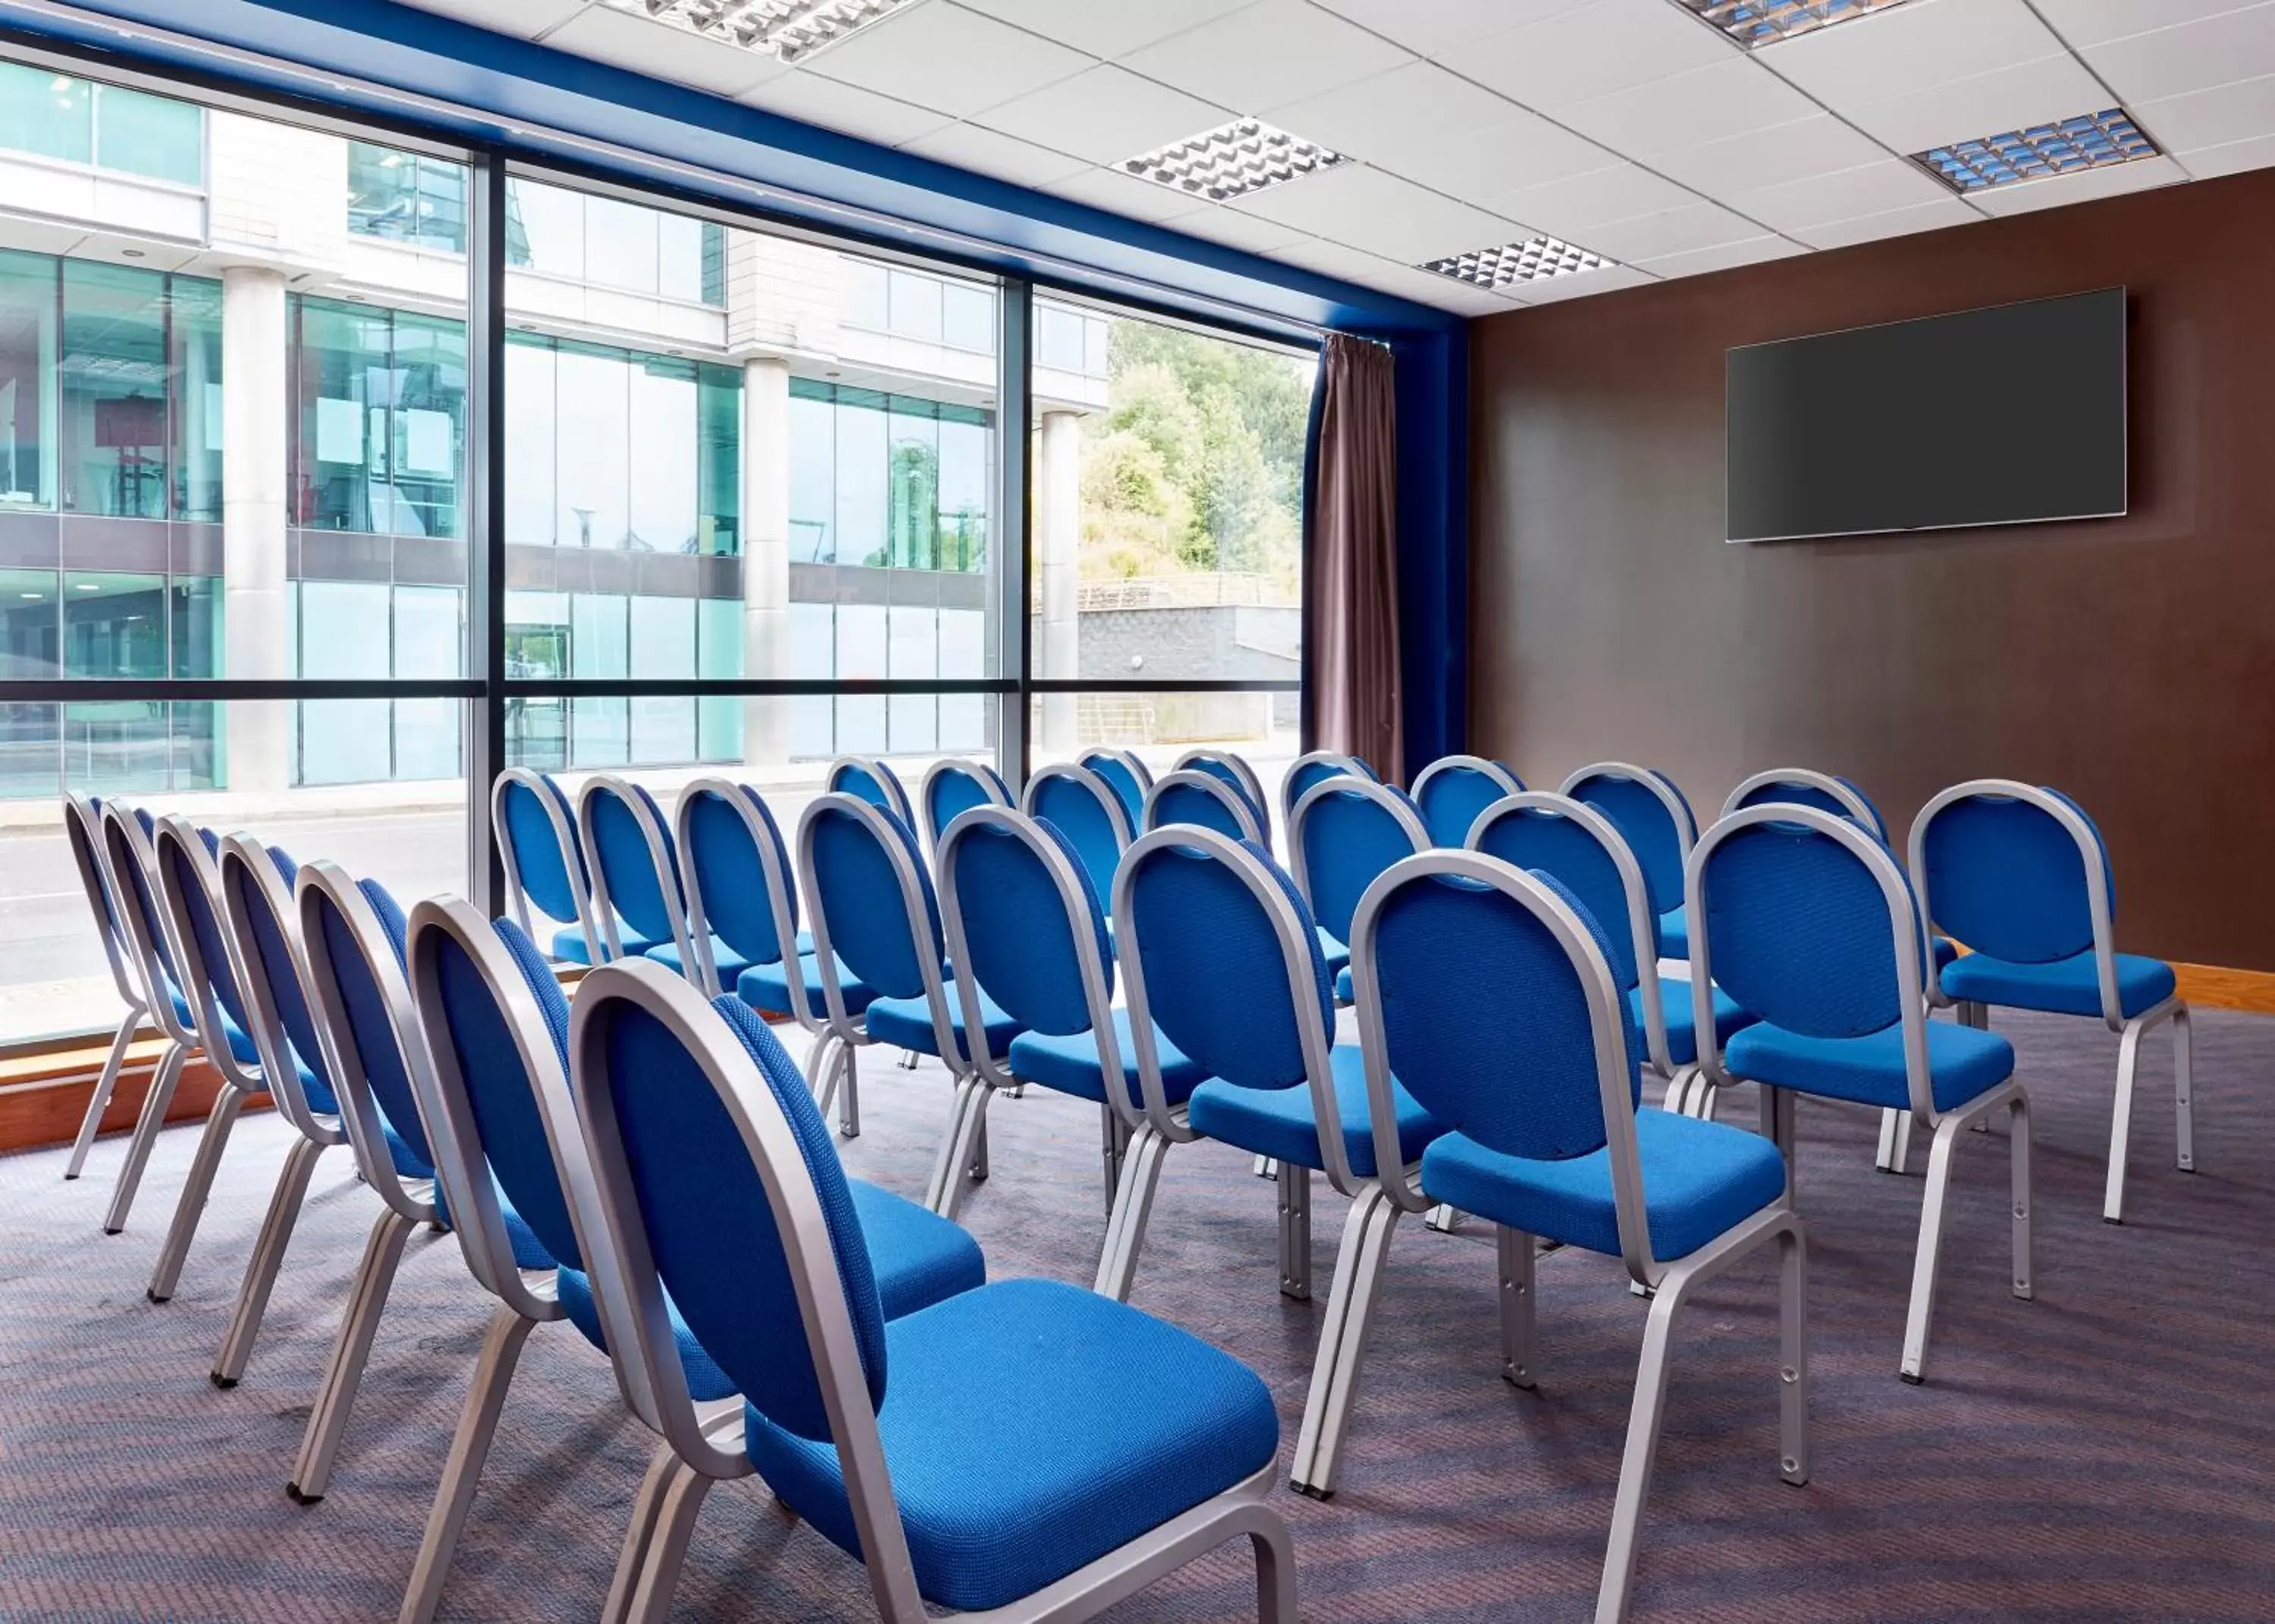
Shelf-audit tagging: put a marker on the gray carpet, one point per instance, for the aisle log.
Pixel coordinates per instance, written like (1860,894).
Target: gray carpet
(2107,1451)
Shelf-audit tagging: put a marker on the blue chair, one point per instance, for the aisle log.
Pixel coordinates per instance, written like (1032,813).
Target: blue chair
(1452,790)
(83,828)
(1584,851)
(634,864)
(1222,958)
(1026,1450)
(546,868)
(520,1189)
(375,1057)
(1552,1144)
(2022,877)
(255,886)
(1654,818)
(868,779)
(1229,768)
(1205,800)
(952,785)
(1314,768)
(1083,806)
(1806,920)
(1340,836)
(1799,786)
(1127,772)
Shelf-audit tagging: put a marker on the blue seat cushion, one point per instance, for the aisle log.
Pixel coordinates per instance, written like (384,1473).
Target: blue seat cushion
(729,963)
(766,988)
(1069,1065)
(1945,950)
(1335,953)
(1674,934)
(918,1256)
(2066,986)
(1698,1180)
(1963,1063)
(408,1163)
(1345,986)
(247,1052)
(1279,1122)
(1681,1020)
(906,1022)
(705,1381)
(568,943)
(1010,1470)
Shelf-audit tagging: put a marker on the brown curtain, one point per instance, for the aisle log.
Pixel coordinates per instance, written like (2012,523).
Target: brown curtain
(1353,559)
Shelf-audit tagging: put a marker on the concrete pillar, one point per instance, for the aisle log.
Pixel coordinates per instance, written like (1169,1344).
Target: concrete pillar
(256,401)
(766,554)
(1058,560)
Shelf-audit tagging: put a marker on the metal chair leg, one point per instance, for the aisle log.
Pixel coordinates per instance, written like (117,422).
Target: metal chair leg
(1928,1256)
(849,1098)
(2184,1046)
(1133,1207)
(105,1085)
(2018,1133)
(1519,1314)
(1642,1452)
(1884,1158)
(1264,1167)
(1443,1219)
(1114,1135)
(2121,1123)
(1793,1355)
(967,1127)
(1295,1232)
(907,1061)
(1343,1342)
(632,1558)
(267,1258)
(1275,1572)
(469,1446)
(666,1549)
(312,1473)
(153,1117)
(196,1189)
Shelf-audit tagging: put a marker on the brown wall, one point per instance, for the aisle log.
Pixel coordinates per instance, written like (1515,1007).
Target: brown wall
(2129,661)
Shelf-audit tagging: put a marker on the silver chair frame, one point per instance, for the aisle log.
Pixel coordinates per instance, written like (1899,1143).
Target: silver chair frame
(999,793)
(1669,1283)
(597,947)
(1210,785)
(875,768)
(407,1203)
(1402,812)
(659,856)
(1894,1148)
(1191,761)
(1340,765)
(692,1458)
(1910,949)
(1859,809)
(1490,769)
(1131,762)
(1686,825)
(83,827)
(1116,814)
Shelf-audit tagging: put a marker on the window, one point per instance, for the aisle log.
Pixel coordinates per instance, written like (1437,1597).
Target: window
(380,434)
(51,115)
(405,198)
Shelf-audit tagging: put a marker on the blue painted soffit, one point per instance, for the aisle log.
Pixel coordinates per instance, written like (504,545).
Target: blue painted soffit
(502,86)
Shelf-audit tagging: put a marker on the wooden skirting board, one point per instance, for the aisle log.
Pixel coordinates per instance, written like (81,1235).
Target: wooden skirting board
(2211,987)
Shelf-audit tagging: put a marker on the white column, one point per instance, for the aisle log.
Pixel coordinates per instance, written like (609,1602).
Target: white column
(1058,552)
(766,554)
(256,398)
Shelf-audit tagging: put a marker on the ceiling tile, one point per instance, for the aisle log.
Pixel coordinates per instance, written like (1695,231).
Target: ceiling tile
(662,51)
(1121,194)
(524,18)
(1399,115)
(1868,189)
(2170,61)
(2232,159)
(1105,27)
(847,107)
(2007,99)
(1525,151)
(1678,231)
(1436,27)
(2210,118)
(2053,192)
(1270,53)
(1557,289)
(943,56)
(1572,207)
(1381,213)
(1727,256)
(1605,46)
(1894,223)
(968,147)
(1735,96)
(2095,22)
(1105,115)
(1814,146)
(1911,47)
(1229,226)
(1328,259)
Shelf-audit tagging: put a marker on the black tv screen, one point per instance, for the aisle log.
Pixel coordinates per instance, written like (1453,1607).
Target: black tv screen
(2005,416)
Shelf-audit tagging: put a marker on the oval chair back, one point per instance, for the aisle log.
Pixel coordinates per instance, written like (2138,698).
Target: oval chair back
(133,864)
(1205,800)
(1654,818)
(1233,769)
(870,900)
(183,856)
(735,871)
(1798,786)
(545,864)
(1127,772)
(1083,805)
(953,785)
(1314,768)
(635,872)
(1452,792)
(868,778)
(255,885)
(1341,835)
(1220,954)
(83,828)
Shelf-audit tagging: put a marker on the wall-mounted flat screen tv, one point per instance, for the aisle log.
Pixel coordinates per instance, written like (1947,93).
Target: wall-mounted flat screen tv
(2013,415)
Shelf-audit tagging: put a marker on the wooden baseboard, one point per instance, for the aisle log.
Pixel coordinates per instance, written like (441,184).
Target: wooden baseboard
(43,1098)
(2211,987)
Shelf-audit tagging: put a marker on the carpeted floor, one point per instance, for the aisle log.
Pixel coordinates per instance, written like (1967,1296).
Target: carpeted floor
(2107,1451)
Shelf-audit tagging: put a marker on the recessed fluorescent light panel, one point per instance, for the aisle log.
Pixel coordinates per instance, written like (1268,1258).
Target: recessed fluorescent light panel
(2089,141)
(1756,23)
(791,30)
(1233,161)
(1535,260)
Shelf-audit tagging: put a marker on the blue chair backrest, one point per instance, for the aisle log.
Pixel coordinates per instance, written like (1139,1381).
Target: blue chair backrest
(867,779)
(856,896)
(702,1201)
(1651,831)
(1227,767)
(273,960)
(1114,766)
(730,873)
(1344,839)
(1798,930)
(126,857)
(1215,962)
(1177,799)
(1516,1071)
(629,866)
(1077,809)
(183,879)
(954,787)
(83,826)
(1311,771)
(1018,939)
(1800,792)
(370,1020)
(1547,842)
(2008,878)
(538,855)
(1451,792)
